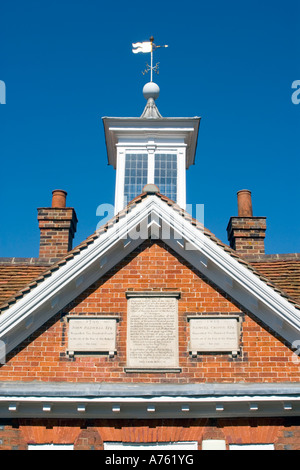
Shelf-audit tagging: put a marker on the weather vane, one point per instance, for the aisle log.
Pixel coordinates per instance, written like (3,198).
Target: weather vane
(147,47)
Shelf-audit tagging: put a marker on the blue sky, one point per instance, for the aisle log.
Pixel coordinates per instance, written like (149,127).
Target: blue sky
(67,63)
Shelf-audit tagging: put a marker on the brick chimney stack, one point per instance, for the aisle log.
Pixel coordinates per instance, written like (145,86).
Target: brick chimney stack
(246,234)
(57,227)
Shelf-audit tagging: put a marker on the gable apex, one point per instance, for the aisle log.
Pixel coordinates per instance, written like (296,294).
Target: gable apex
(154,216)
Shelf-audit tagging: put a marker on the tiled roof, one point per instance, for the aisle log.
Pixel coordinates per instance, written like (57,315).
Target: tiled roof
(283,271)
(42,274)
(15,275)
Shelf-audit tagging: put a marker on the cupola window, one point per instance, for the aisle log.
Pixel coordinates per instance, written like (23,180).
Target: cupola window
(165,174)
(136,174)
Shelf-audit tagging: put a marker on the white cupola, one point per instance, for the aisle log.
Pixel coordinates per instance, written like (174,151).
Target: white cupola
(150,149)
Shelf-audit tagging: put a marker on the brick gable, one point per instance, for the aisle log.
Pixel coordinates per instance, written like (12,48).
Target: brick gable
(153,266)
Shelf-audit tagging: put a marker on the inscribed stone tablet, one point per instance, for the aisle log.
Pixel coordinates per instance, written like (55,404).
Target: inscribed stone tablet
(92,335)
(214,334)
(152,335)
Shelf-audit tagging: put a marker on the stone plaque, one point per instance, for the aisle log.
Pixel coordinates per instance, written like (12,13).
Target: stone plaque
(92,335)
(214,335)
(152,335)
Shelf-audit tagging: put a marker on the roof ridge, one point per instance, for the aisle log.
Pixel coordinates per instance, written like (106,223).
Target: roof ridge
(273,257)
(18,261)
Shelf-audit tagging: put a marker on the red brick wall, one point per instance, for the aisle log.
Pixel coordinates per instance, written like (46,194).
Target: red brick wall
(90,435)
(263,358)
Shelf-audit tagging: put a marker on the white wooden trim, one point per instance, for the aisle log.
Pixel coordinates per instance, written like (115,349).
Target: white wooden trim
(157,446)
(213,444)
(50,447)
(37,306)
(251,447)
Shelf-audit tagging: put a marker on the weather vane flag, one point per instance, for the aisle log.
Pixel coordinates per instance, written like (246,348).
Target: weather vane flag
(147,47)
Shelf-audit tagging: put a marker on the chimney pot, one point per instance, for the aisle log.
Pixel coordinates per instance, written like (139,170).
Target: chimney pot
(244,203)
(59,197)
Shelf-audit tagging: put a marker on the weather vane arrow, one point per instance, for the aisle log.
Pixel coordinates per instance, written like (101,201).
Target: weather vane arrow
(146,47)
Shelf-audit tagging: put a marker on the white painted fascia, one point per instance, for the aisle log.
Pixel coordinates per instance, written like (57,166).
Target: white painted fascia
(158,407)
(136,129)
(73,278)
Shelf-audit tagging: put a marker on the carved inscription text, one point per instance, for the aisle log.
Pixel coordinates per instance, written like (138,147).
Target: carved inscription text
(152,339)
(92,335)
(214,334)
